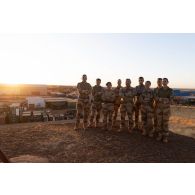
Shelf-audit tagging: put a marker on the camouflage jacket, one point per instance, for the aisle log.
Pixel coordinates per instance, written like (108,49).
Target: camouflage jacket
(139,89)
(147,97)
(164,95)
(127,94)
(108,96)
(84,90)
(97,92)
(117,95)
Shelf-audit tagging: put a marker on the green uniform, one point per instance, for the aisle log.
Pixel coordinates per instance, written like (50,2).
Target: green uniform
(147,111)
(163,100)
(97,103)
(108,98)
(139,90)
(84,102)
(127,94)
(155,105)
(117,102)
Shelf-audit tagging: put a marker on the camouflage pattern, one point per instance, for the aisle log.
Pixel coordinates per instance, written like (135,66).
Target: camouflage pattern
(108,98)
(127,94)
(117,102)
(163,100)
(139,90)
(147,111)
(155,106)
(97,92)
(84,102)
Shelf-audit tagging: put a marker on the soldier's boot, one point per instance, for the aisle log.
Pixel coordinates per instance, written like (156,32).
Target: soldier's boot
(130,129)
(119,130)
(114,123)
(91,125)
(104,127)
(97,124)
(85,126)
(110,128)
(144,132)
(136,126)
(159,137)
(76,128)
(151,134)
(122,127)
(165,140)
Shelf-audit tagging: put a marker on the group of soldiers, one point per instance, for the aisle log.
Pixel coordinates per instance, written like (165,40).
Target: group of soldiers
(154,106)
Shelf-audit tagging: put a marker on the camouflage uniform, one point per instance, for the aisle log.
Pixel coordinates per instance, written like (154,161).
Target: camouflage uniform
(139,90)
(155,105)
(163,99)
(108,98)
(117,103)
(147,111)
(97,104)
(127,94)
(84,102)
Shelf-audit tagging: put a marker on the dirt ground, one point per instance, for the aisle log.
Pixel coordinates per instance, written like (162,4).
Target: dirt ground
(59,143)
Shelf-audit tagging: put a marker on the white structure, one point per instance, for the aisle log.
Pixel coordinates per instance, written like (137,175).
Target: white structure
(36,102)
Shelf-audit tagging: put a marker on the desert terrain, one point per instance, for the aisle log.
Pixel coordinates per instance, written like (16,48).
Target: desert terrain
(57,142)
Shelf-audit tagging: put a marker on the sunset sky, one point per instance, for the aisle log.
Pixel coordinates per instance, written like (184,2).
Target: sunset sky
(62,58)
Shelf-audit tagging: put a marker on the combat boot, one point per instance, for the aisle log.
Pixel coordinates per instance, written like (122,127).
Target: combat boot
(97,125)
(129,129)
(110,128)
(90,125)
(165,140)
(144,133)
(151,134)
(159,137)
(136,127)
(119,130)
(105,128)
(85,126)
(122,128)
(114,123)
(76,128)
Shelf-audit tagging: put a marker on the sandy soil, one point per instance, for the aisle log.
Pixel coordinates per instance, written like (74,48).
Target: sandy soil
(58,142)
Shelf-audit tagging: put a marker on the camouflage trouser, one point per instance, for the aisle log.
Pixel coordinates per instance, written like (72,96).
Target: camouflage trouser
(83,109)
(155,119)
(127,109)
(96,110)
(116,108)
(163,114)
(147,114)
(108,109)
(137,109)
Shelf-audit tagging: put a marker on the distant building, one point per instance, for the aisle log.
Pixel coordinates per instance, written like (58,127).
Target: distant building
(33,90)
(35,102)
(60,103)
(183,93)
(24,90)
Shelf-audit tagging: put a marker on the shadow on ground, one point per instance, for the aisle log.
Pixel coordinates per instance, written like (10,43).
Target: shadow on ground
(60,143)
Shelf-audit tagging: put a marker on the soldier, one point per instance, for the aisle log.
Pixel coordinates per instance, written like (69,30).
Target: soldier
(117,101)
(84,102)
(97,103)
(163,98)
(159,85)
(127,94)
(108,98)
(147,110)
(139,90)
